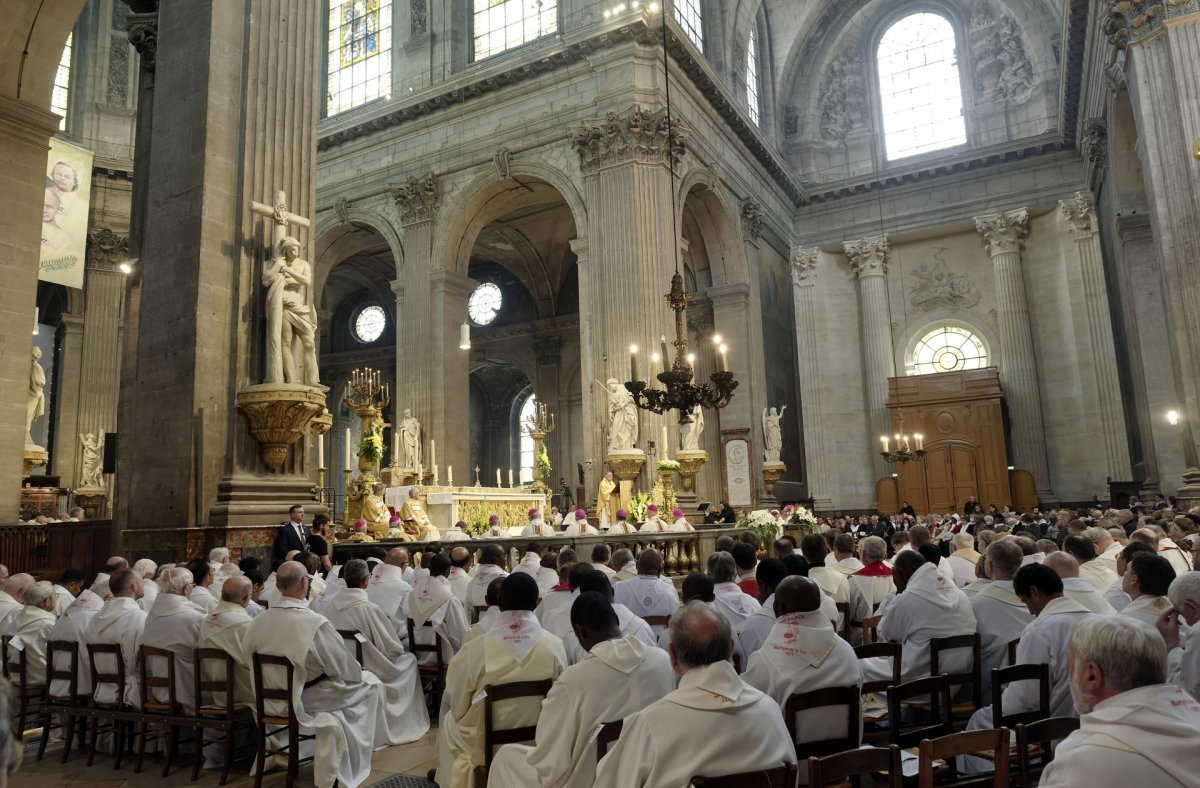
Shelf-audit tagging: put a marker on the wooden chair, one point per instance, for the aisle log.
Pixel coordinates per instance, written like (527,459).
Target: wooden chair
(117,711)
(31,698)
(1012,651)
(222,717)
(435,672)
(887,649)
(1003,676)
(282,722)
(937,708)
(609,733)
(72,706)
(850,702)
(168,714)
(354,640)
(843,609)
(493,737)
(937,646)
(993,742)
(840,768)
(869,625)
(657,621)
(1035,741)
(777,777)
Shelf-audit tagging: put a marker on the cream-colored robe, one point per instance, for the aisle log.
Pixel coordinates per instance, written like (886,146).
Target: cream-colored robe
(71,627)
(1085,594)
(432,600)
(225,628)
(536,528)
(648,595)
(477,590)
(32,626)
(1000,618)
(630,624)
(1147,608)
(531,564)
(173,623)
(1184,661)
(120,621)
(388,589)
(736,604)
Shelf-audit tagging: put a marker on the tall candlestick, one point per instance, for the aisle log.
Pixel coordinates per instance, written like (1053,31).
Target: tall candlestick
(320,451)
(499,483)
(510,478)
(665,436)
(662,341)
(633,370)
(449,475)
(433,456)
(347,447)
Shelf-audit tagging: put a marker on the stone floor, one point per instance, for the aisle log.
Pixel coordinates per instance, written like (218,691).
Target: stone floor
(407,759)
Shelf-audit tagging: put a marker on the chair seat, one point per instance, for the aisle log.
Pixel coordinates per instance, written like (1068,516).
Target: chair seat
(155,706)
(269,720)
(219,711)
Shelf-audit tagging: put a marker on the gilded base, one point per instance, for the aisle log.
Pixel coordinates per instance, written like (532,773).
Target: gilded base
(771,473)
(279,415)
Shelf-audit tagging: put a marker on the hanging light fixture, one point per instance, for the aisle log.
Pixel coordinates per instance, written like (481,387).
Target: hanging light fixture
(679,391)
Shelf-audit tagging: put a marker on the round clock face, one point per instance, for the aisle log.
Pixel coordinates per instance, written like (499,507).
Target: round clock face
(484,304)
(369,324)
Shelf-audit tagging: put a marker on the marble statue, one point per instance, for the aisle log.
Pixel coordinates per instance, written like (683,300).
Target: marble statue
(89,475)
(689,434)
(772,434)
(622,415)
(35,402)
(410,441)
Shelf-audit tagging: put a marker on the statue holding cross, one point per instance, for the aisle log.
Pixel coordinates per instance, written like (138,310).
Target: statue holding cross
(291,317)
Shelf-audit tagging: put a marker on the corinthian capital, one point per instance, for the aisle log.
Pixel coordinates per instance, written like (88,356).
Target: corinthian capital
(1080,212)
(804,266)
(417,199)
(868,257)
(633,135)
(1003,232)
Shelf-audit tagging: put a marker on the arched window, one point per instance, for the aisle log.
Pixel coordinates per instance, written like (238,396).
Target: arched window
(500,25)
(62,84)
(528,412)
(919,86)
(948,349)
(752,98)
(358,53)
(690,16)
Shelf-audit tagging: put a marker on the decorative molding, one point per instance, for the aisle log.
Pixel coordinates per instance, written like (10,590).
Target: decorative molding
(143,36)
(1094,142)
(868,256)
(804,266)
(634,135)
(547,349)
(1131,21)
(940,288)
(106,249)
(1003,232)
(752,217)
(1080,213)
(843,103)
(502,159)
(417,199)
(118,71)
(418,18)
(1002,69)
(341,209)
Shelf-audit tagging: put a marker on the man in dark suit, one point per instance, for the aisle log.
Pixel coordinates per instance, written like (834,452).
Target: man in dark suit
(291,535)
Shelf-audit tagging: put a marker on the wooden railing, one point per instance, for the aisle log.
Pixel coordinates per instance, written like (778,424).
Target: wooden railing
(44,551)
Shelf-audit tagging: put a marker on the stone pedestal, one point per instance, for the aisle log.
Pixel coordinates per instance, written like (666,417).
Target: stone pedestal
(771,473)
(690,463)
(33,456)
(91,500)
(280,415)
(626,466)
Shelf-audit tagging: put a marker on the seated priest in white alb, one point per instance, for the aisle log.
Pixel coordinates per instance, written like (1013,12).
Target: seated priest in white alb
(225,628)
(12,597)
(735,604)
(333,587)
(624,565)
(842,559)
(173,624)
(1074,586)
(649,593)
(403,717)
(388,589)
(492,558)
(70,627)
(1000,615)
(456,534)
(769,574)
(29,631)
(601,555)
(1091,569)
(1147,579)
(146,570)
(653,524)
(531,564)
(537,526)
(622,525)
(874,581)
(630,624)
(1044,641)
(681,523)
(1183,643)
(927,605)
(1116,594)
(621,675)
(714,724)
(833,584)
(432,603)
(199,595)
(334,698)
(119,622)
(514,647)
(804,653)
(461,573)
(1107,548)
(963,558)
(1134,729)
(699,587)
(1157,538)
(556,605)
(555,611)
(69,584)
(580,526)
(492,597)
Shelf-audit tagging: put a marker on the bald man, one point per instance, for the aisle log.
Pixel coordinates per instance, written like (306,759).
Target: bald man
(388,589)
(1074,586)
(12,598)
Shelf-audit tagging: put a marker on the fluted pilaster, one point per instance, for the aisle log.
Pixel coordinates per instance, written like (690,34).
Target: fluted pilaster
(869,263)
(807,307)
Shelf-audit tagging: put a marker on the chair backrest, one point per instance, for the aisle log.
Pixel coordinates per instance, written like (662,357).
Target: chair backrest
(149,681)
(887,649)
(937,646)
(14,662)
(1012,651)
(945,748)
(1028,672)
(783,776)
(937,690)
(609,733)
(493,737)
(426,648)
(656,621)
(354,639)
(838,767)
(223,685)
(869,624)
(849,698)
(99,677)
(843,609)
(264,693)
(70,673)
(1044,733)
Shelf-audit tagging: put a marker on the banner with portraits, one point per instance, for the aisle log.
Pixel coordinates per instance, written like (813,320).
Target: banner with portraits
(65,214)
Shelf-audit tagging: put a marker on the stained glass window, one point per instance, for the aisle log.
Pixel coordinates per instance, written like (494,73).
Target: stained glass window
(919,86)
(62,84)
(948,349)
(369,324)
(500,25)
(359,53)
(752,99)
(691,18)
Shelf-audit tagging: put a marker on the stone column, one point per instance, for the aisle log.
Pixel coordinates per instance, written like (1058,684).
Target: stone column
(68,372)
(105,298)
(593,405)
(808,318)
(1162,61)
(1004,236)
(1080,215)
(449,385)
(869,263)
(417,201)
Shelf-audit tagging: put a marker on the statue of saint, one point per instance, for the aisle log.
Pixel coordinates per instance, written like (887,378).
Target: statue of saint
(772,434)
(376,513)
(622,414)
(412,514)
(291,317)
(89,475)
(35,403)
(410,441)
(689,434)
(606,504)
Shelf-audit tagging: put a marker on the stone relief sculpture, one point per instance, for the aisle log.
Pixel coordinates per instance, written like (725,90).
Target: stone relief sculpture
(410,440)
(1002,65)
(35,402)
(622,417)
(939,288)
(772,433)
(89,474)
(689,434)
(418,19)
(843,99)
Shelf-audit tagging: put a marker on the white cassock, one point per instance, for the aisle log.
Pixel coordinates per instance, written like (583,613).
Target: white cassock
(1099,575)
(962,566)
(225,628)
(736,604)
(834,585)
(1000,618)
(1184,661)
(9,608)
(681,524)
(203,599)
(653,526)
(454,535)
(120,621)
(33,627)
(758,627)
(713,724)
(846,566)
(403,717)
(606,570)
(648,595)
(460,583)
(874,584)
(149,594)
(1109,557)
(1143,737)
(618,677)
(622,527)
(803,653)
(340,708)
(1085,594)
(332,589)
(476,629)
(71,628)
(580,528)
(531,564)
(514,647)
(63,599)
(538,527)
(1180,561)
(625,573)
(976,585)
(477,589)
(173,623)
(554,612)
(388,589)
(1116,596)
(630,625)
(930,607)
(1147,608)
(432,601)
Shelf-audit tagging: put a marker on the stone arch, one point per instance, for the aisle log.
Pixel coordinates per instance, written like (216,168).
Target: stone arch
(337,237)
(31,46)
(717,219)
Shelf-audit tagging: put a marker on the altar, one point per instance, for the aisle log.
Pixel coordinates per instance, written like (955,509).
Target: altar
(473,505)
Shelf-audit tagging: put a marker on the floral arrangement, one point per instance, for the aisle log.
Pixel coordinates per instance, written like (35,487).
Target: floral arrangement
(762,523)
(802,520)
(370,446)
(543,463)
(477,523)
(669,466)
(638,504)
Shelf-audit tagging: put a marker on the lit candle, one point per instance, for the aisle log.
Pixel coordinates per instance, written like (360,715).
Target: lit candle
(654,359)
(450,475)
(664,441)
(499,483)
(320,451)
(420,472)
(510,477)
(662,341)
(884,440)
(435,475)
(633,370)
(920,440)
(724,360)
(433,456)
(347,463)
(395,448)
